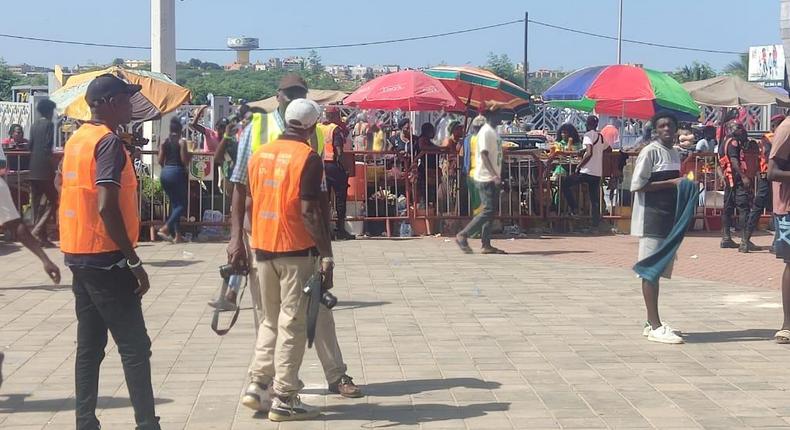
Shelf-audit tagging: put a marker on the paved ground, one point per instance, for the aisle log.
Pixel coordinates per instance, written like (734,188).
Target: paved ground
(547,339)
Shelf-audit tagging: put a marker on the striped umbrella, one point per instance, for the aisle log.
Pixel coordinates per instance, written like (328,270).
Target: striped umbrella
(623,91)
(158,96)
(478,87)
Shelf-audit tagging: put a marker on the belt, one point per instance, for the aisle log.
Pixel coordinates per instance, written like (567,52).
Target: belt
(261,255)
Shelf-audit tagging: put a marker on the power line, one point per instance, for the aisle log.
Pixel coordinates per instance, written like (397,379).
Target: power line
(637,42)
(379,42)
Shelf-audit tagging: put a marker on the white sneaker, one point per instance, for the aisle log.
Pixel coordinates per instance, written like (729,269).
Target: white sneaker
(664,334)
(257,397)
(647,328)
(291,410)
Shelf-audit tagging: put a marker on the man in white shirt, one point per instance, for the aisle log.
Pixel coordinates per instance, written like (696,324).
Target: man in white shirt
(654,184)
(486,175)
(589,172)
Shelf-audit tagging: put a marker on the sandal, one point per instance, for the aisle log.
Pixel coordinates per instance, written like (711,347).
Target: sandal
(782,337)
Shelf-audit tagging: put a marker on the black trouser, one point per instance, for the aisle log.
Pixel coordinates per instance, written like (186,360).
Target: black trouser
(761,198)
(739,197)
(594,185)
(337,181)
(43,212)
(105,299)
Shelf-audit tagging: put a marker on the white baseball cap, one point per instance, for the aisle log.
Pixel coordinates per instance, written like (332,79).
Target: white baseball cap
(302,113)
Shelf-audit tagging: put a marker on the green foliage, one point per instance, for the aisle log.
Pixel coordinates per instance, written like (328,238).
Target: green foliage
(738,68)
(245,84)
(314,62)
(695,71)
(151,189)
(502,66)
(118,62)
(7,80)
(538,86)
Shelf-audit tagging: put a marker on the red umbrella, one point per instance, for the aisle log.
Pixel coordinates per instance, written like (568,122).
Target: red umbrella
(409,90)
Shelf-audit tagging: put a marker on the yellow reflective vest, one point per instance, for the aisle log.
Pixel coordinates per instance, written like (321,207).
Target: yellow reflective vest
(268,128)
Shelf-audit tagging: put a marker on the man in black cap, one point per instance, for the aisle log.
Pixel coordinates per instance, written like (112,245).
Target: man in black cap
(99,225)
(271,126)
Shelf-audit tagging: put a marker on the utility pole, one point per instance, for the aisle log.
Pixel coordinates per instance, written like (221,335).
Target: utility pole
(163,59)
(163,37)
(526,50)
(620,35)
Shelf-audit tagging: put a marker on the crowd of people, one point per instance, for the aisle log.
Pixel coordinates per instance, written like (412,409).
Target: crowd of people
(279,167)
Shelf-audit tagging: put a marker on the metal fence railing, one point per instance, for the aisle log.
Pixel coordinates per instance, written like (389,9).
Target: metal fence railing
(432,192)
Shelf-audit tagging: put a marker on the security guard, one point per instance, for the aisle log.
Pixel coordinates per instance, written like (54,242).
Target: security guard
(262,129)
(335,135)
(289,234)
(762,194)
(99,226)
(733,156)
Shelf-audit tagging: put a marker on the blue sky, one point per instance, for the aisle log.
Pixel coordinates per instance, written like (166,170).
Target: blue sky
(207,23)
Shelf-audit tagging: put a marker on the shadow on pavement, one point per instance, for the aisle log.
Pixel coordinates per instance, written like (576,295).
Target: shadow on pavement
(402,388)
(15,403)
(173,263)
(558,252)
(350,304)
(47,287)
(7,248)
(750,335)
(383,416)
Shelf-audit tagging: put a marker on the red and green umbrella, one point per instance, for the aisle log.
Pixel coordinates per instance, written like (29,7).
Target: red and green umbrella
(478,87)
(623,91)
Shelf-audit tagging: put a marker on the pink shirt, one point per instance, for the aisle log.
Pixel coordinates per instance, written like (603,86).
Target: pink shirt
(212,140)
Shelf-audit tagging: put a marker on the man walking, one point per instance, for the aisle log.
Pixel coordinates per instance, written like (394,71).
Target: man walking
(262,129)
(654,184)
(589,172)
(289,235)
(42,171)
(99,226)
(488,166)
(779,173)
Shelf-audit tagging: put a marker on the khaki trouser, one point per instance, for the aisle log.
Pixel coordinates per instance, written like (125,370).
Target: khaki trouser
(282,335)
(326,344)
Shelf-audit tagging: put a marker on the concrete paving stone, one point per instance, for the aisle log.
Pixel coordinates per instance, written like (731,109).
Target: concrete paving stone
(443,340)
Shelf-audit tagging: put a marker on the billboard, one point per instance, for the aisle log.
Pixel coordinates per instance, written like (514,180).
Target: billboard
(767,65)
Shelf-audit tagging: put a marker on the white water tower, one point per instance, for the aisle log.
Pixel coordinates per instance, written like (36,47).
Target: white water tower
(242,46)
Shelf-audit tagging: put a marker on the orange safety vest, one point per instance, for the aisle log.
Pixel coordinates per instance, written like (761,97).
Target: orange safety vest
(328,132)
(81,227)
(275,177)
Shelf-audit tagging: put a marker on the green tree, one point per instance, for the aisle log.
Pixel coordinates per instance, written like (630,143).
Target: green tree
(7,80)
(246,84)
(739,68)
(211,66)
(502,66)
(695,71)
(118,62)
(538,86)
(195,63)
(314,62)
